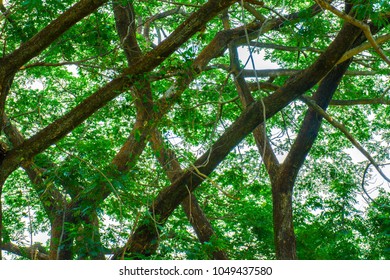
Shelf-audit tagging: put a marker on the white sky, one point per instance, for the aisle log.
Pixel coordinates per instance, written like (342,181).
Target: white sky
(259,61)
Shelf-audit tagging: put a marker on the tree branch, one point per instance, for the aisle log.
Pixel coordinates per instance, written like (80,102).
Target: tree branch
(47,35)
(360,102)
(259,133)
(349,136)
(248,73)
(284,48)
(363,47)
(35,252)
(31,48)
(364,27)
(150,20)
(51,199)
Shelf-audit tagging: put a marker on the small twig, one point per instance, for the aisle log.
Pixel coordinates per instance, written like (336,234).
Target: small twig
(155,17)
(204,176)
(214,102)
(364,188)
(363,47)
(180,4)
(342,128)
(284,48)
(56,64)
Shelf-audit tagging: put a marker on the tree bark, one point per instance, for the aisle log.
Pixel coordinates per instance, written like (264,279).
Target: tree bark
(34,252)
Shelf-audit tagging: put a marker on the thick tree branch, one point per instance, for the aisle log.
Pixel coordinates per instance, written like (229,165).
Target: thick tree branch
(127,156)
(50,197)
(259,133)
(31,48)
(312,122)
(35,252)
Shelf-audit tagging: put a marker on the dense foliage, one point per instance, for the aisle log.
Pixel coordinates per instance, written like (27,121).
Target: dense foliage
(113,112)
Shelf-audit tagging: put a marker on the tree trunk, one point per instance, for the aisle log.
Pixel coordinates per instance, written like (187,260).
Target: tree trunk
(283,184)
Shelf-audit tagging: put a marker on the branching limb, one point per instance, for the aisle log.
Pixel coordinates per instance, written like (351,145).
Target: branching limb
(51,199)
(364,27)
(349,136)
(259,133)
(290,72)
(170,197)
(59,128)
(363,47)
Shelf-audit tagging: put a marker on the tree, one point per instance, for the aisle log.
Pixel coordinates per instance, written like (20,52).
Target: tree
(114,113)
